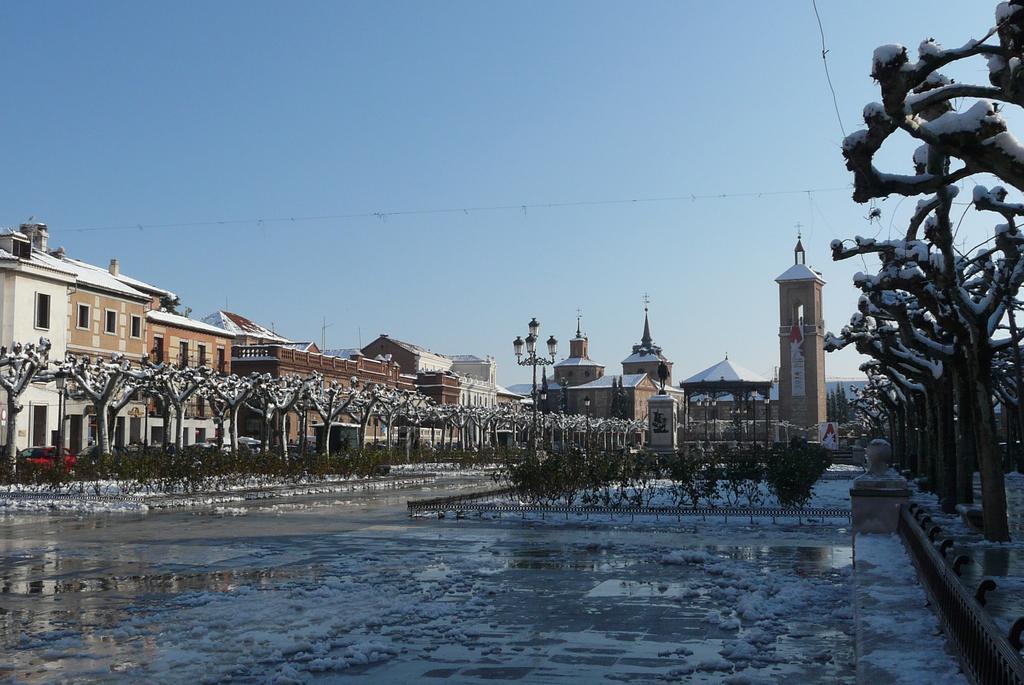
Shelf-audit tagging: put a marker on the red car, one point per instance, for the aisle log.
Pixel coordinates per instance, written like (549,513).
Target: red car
(47,456)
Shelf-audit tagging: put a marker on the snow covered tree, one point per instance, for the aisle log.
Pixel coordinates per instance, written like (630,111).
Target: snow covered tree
(18,367)
(962,133)
(331,400)
(177,386)
(231,393)
(103,383)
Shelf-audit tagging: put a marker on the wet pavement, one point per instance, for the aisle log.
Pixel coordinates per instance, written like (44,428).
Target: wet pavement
(327,588)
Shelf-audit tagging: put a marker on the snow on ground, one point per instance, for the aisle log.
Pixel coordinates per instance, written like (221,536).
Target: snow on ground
(899,638)
(359,612)
(444,467)
(43,504)
(21,499)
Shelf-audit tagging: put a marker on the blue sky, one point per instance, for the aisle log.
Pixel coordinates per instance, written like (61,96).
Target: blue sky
(128,114)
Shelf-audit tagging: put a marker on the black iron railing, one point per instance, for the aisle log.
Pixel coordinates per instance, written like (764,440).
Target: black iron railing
(986,655)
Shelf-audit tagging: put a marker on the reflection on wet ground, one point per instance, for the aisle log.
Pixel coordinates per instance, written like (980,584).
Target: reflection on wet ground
(349,587)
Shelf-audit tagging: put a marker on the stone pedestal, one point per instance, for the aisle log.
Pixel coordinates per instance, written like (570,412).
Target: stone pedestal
(878,494)
(661,418)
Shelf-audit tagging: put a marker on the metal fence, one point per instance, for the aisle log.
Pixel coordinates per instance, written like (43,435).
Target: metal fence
(986,655)
(476,503)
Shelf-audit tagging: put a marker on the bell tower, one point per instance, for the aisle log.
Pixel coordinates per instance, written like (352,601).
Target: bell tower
(801,345)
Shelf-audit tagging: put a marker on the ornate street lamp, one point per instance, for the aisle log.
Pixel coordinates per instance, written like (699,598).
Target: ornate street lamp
(531,359)
(586,414)
(61,379)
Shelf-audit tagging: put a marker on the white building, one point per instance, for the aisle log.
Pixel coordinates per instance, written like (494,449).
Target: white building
(33,305)
(477,380)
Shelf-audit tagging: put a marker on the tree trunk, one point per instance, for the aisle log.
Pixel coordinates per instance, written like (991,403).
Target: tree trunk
(327,433)
(179,427)
(102,437)
(966,450)
(993,489)
(233,437)
(13,409)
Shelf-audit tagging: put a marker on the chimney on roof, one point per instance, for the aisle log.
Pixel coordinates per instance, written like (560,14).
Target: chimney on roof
(37,232)
(114,268)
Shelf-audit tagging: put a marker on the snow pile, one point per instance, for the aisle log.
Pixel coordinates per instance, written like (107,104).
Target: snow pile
(44,504)
(760,610)
(361,611)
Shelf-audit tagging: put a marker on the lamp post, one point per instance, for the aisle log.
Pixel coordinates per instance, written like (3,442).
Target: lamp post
(543,395)
(533,360)
(767,421)
(714,417)
(61,379)
(704,403)
(586,413)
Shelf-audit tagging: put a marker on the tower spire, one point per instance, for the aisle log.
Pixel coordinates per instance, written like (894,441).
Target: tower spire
(646,339)
(579,315)
(799,256)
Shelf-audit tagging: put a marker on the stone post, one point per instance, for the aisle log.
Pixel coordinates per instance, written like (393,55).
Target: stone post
(878,494)
(661,417)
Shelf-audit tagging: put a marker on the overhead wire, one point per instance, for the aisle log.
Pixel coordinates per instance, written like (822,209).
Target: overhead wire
(384,215)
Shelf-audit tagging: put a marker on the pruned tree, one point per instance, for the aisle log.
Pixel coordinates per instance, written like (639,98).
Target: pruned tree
(19,366)
(331,400)
(231,393)
(103,383)
(178,386)
(962,133)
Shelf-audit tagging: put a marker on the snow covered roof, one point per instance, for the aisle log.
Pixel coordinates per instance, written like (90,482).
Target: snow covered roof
(465,358)
(629,380)
(142,285)
(343,352)
(800,272)
(42,260)
(90,276)
(502,390)
(644,356)
(726,371)
(237,324)
(578,361)
(415,349)
(304,346)
(168,319)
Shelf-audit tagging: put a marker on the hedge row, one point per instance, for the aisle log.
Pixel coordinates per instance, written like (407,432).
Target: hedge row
(612,480)
(197,469)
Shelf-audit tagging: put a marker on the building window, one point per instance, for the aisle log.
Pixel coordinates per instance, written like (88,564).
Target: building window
(110,326)
(200,408)
(158,349)
(202,354)
(136,326)
(183,353)
(83,316)
(220,359)
(42,311)
(22,249)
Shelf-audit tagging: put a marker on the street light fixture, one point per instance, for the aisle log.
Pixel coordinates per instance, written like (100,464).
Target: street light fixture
(586,413)
(531,359)
(60,378)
